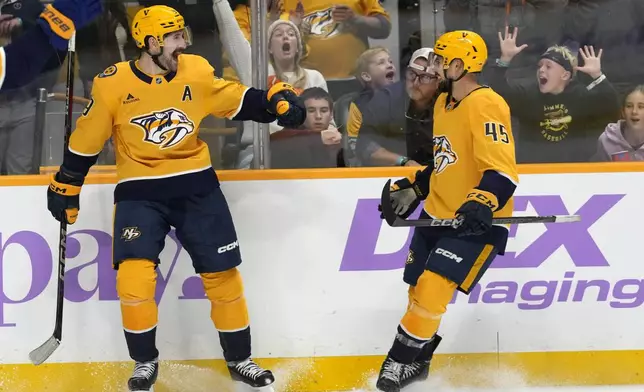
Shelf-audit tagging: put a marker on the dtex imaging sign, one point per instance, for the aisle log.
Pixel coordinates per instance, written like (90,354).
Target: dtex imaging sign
(575,238)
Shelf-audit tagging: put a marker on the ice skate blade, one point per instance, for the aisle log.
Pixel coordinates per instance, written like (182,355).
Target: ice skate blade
(143,390)
(243,387)
(268,388)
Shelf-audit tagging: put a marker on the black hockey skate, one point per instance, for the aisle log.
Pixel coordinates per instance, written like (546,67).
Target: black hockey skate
(144,376)
(251,374)
(394,376)
(390,376)
(419,370)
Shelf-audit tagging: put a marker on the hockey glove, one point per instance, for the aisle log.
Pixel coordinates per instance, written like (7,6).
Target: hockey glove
(63,197)
(405,198)
(284,103)
(476,213)
(60,19)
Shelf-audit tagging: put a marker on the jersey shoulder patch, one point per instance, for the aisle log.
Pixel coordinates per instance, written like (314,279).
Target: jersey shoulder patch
(109,71)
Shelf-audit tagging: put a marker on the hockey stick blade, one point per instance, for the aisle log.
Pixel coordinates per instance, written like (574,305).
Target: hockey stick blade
(44,351)
(394,220)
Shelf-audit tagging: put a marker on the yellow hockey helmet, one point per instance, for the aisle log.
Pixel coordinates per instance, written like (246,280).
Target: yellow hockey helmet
(157,21)
(467,46)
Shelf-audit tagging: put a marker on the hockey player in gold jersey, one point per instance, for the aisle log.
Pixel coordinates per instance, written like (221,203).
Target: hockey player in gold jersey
(152,108)
(473,177)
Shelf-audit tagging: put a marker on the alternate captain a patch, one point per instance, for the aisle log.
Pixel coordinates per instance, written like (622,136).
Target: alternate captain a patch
(165,128)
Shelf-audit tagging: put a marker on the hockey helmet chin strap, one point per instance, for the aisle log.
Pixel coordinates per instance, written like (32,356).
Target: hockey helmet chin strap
(155,58)
(447,85)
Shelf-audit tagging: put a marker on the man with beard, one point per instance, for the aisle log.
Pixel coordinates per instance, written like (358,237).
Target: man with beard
(396,127)
(153,108)
(472,178)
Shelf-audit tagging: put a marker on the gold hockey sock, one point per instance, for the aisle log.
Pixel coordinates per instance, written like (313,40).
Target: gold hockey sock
(427,302)
(135,285)
(229,312)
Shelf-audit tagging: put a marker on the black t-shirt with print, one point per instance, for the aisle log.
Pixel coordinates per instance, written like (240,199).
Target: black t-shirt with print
(557,128)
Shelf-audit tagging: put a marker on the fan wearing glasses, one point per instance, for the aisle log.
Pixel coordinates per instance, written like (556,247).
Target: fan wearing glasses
(397,122)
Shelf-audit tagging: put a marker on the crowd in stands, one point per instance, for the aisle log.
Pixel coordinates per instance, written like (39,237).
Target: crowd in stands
(572,72)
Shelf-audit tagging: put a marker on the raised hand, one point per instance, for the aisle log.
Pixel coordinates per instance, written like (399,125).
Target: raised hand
(592,63)
(508,43)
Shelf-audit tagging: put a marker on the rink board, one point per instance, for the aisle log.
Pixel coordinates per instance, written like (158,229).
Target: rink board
(323,280)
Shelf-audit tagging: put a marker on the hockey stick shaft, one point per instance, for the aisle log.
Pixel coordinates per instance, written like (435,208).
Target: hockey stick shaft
(45,350)
(513,220)
(395,221)
(62,241)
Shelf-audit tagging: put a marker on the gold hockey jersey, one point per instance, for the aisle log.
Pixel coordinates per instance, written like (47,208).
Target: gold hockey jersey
(154,119)
(471,137)
(333,46)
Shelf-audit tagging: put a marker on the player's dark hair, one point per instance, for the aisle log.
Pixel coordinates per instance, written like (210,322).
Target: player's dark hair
(317,93)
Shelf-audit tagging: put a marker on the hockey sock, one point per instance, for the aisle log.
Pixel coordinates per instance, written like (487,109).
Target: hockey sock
(135,285)
(405,348)
(235,345)
(229,312)
(427,352)
(428,303)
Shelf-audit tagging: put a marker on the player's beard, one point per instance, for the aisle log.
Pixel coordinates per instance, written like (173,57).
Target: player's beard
(170,61)
(445,86)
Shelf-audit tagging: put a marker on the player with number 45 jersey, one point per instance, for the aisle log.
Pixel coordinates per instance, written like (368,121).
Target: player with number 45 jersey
(152,108)
(473,178)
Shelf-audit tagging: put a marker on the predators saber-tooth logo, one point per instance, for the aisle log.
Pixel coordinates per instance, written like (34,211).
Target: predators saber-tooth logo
(443,154)
(322,24)
(165,128)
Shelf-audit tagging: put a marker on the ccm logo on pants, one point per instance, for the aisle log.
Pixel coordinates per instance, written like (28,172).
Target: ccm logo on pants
(448,254)
(226,248)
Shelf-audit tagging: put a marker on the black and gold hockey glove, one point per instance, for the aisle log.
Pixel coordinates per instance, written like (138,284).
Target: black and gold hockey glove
(63,197)
(286,105)
(476,213)
(406,195)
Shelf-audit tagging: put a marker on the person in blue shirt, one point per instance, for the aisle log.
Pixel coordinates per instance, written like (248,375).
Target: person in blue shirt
(23,59)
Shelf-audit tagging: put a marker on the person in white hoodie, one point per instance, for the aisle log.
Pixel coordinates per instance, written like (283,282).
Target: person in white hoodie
(624,139)
(285,49)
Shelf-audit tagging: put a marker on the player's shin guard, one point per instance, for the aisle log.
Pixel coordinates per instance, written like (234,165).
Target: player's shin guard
(428,303)
(230,316)
(229,312)
(135,285)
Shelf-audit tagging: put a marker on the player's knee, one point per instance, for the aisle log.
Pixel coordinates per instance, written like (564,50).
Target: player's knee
(226,293)
(223,287)
(432,294)
(427,304)
(135,285)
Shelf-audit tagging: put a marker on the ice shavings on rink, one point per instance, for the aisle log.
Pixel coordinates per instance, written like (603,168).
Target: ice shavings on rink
(189,378)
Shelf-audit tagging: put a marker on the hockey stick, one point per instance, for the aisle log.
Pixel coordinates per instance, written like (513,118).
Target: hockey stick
(395,221)
(45,350)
